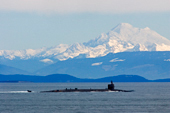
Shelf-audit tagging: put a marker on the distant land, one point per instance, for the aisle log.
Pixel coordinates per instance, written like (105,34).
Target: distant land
(148,64)
(68,78)
(124,50)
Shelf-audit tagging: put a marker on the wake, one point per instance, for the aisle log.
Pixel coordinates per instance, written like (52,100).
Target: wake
(14,91)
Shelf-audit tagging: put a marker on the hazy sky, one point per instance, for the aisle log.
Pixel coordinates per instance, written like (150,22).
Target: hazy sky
(37,23)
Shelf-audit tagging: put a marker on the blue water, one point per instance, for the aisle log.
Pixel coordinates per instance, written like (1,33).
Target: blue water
(147,98)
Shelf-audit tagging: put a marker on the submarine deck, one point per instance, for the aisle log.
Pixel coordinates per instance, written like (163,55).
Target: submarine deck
(88,90)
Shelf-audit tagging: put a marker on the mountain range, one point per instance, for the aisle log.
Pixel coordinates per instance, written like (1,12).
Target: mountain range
(124,37)
(124,49)
(69,78)
(151,65)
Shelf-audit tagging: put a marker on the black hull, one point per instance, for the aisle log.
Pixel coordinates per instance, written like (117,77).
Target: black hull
(88,90)
(110,88)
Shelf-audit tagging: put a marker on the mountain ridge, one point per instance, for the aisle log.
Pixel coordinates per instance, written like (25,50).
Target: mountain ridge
(151,65)
(148,64)
(8,70)
(119,42)
(123,37)
(69,78)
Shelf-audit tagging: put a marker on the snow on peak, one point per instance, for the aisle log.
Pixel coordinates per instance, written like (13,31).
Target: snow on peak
(132,35)
(117,60)
(123,37)
(147,28)
(166,59)
(47,60)
(121,25)
(96,64)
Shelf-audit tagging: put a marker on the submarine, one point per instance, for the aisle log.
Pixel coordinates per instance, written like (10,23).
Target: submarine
(110,88)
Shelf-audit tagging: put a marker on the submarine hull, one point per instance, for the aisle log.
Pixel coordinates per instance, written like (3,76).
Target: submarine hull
(88,90)
(110,88)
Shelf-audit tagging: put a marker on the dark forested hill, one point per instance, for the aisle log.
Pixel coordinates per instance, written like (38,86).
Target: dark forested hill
(69,78)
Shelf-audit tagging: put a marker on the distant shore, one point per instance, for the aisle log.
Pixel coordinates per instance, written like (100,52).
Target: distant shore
(68,78)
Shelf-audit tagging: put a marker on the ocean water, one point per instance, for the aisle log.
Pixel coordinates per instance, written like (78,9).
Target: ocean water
(147,98)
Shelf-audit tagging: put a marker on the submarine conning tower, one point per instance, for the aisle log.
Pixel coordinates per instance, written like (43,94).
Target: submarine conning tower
(111,86)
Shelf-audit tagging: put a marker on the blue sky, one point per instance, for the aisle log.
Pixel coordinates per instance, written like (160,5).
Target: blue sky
(47,23)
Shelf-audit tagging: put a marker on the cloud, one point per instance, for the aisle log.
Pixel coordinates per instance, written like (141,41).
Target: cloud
(79,6)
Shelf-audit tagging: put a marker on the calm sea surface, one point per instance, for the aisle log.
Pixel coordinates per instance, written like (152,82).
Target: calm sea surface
(147,98)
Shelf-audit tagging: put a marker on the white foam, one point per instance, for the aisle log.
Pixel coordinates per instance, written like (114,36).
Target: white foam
(13,91)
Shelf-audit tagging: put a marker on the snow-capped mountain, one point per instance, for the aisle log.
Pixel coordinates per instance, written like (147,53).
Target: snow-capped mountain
(123,37)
